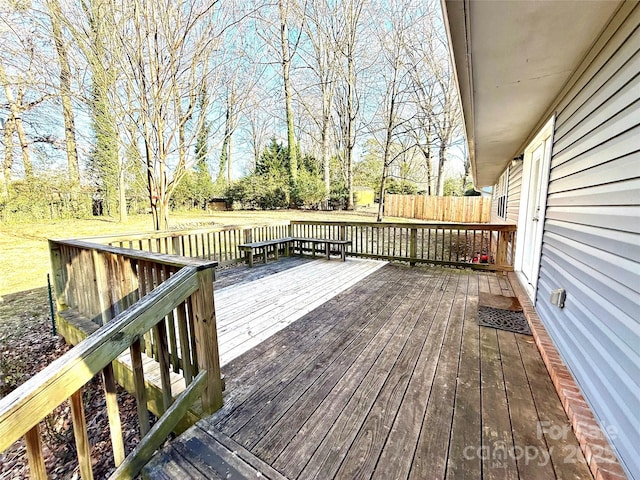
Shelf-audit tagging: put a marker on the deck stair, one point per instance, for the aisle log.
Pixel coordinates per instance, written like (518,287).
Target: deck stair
(204,452)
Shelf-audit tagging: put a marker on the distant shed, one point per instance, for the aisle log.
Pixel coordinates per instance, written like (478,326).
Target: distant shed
(363,196)
(218,204)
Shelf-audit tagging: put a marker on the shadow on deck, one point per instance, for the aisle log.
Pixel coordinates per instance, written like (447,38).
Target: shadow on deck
(392,378)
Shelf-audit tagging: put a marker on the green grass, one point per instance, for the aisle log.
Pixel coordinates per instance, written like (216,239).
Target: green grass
(24,253)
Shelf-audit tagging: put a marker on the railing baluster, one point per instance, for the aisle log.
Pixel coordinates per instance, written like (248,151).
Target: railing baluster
(34,453)
(192,336)
(160,331)
(224,245)
(80,434)
(162,348)
(147,286)
(171,329)
(140,391)
(183,335)
(113,413)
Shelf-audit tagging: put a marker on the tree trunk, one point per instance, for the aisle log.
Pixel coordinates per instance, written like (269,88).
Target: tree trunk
(350,133)
(65,94)
(441,160)
(221,180)
(383,184)
(467,171)
(9,129)
(122,194)
(426,153)
(224,169)
(324,145)
(24,147)
(229,163)
(326,163)
(286,65)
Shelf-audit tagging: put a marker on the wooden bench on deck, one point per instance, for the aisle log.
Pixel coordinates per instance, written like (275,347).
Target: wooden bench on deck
(341,244)
(265,245)
(298,242)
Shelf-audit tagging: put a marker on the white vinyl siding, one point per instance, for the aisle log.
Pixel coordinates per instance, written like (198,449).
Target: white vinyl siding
(591,243)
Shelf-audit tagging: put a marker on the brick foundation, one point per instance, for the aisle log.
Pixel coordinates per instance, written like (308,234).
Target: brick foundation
(598,452)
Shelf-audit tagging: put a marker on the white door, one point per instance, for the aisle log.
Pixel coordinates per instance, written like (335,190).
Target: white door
(535,181)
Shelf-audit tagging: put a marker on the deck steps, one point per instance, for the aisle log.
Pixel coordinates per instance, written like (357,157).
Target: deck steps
(207,453)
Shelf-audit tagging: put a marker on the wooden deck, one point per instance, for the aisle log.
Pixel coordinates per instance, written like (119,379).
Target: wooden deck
(392,378)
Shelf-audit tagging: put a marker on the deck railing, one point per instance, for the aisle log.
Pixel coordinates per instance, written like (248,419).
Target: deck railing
(153,295)
(475,245)
(134,295)
(217,243)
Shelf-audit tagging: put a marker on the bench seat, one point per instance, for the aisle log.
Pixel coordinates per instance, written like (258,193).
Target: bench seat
(248,248)
(328,242)
(297,242)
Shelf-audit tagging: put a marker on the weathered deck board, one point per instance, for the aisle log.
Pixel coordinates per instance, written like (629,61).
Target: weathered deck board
(467,420)
(373,317)
(393,379)
(430,459)
(249,313)
(562,446)
(344,349)
(237,274)
(360,392)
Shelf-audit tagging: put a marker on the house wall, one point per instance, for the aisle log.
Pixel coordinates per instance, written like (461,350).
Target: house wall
(513,196)
(591,242)
(514,189)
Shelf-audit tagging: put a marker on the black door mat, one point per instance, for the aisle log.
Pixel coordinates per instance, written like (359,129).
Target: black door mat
(503,319)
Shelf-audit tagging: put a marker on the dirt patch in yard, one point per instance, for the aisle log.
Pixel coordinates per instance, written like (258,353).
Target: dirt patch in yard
(27,345)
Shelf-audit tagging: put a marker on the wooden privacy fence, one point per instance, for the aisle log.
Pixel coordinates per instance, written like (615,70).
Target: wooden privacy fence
(481,246)
(439,209)
(152,305)
(218,243)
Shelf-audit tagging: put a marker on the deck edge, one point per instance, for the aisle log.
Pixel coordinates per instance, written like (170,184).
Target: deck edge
(598,452)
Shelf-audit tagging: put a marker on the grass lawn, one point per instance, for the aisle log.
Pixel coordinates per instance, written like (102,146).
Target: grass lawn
(24,253)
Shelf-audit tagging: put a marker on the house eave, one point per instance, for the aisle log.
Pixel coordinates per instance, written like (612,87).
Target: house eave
(512,59)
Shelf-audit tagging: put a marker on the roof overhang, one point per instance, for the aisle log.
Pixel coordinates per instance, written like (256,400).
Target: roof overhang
(512,59)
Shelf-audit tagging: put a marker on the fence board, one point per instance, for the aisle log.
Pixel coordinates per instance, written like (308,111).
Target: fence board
(439,209)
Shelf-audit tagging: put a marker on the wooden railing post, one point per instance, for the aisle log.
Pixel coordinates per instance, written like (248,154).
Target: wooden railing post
(207,340)
(113,414)
(413,250)
(80,433)
(175,243)
(57,275)
(502,249)
(34,453)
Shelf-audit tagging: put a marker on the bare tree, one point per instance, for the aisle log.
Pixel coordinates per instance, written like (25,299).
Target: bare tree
(348,103)
(166,54)
(15,123)
(322,32)
(238,81)
(65,91)
(288,52)
(437,118)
